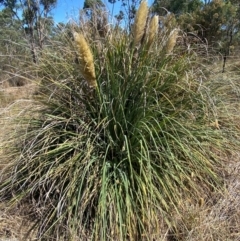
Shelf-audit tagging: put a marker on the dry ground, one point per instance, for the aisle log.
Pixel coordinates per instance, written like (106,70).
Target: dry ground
(216,219)
(13,102)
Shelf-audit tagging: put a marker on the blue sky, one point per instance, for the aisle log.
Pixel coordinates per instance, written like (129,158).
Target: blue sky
(69,9)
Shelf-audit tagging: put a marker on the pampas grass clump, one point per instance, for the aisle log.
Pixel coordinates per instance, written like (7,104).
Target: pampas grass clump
(112,165)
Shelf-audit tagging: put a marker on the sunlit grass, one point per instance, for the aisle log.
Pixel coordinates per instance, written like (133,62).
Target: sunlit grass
(107,162)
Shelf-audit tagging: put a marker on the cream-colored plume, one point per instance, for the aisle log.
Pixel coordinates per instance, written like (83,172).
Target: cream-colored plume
(153,29)
(86,59)
(140,22)
(172,40)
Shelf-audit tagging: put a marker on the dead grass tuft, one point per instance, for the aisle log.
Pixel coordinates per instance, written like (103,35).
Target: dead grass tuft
(219,216)
(14,224)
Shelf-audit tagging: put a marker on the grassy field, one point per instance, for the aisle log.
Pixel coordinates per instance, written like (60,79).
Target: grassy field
(127,137)
(215,217)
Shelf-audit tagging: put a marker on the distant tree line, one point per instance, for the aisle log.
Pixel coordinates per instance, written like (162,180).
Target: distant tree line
(29,22)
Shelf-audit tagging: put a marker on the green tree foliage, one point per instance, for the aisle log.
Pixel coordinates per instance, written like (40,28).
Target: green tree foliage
(12,44)
(215,22)
(211,21)
(8,24)
(176,7)
(34,18)
(89,4)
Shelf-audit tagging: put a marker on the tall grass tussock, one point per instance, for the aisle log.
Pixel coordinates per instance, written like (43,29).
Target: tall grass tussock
(113,162)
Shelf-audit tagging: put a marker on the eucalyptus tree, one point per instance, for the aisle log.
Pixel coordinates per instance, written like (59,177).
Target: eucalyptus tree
(127,11)
(35,19)
(96,18)
(176,7)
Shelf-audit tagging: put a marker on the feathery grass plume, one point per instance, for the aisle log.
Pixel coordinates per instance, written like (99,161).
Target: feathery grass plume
(86,59)
(153,29)
(140,22)
(172,40)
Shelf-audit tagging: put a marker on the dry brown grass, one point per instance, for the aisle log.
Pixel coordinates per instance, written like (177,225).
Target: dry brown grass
(13,101)
(211,219)
(217,218)
(14,223)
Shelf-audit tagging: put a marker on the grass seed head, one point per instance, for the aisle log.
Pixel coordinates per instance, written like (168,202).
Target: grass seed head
(172,40)
(140,22)
(153,29)
(86,59)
